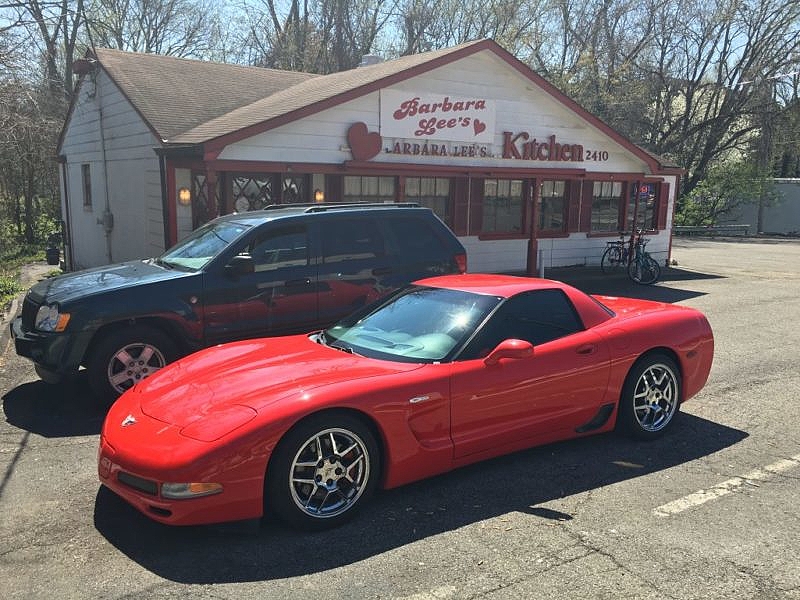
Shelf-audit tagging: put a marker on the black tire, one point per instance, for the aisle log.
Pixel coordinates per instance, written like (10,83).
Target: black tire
(651,397)
(645,271)
(611,259)
(145,349)
(322,472)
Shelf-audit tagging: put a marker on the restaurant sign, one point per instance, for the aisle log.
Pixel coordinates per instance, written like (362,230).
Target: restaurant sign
(435,117)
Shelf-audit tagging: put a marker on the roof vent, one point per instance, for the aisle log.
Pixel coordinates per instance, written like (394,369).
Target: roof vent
(370,59)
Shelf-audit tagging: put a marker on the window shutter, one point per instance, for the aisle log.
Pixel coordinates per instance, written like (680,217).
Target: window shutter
(460,206)
(573,206)
(663,201)
(586,206)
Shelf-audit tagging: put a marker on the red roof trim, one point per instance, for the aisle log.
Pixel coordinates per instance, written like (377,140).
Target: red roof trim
(466,170)
(548,87)
(216,145)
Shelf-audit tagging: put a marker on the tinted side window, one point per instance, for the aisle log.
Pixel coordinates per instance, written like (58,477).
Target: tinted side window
(415,236)
(351,239)
(537,317)
(285,247)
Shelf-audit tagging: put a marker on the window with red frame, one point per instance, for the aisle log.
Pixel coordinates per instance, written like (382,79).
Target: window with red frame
(433,192)
(368,189)
(502,206)
(553,206)
(606,204)
(646,210)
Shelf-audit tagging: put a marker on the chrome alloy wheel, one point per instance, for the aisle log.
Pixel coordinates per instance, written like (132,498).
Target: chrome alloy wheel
(132,363)
(655,397)
(329,473)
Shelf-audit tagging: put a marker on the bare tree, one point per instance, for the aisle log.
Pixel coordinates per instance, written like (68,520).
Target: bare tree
(53,28)
(185,28)
(322,36)
(28,188)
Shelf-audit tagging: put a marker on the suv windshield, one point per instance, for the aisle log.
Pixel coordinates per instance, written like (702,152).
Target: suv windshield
(197,250)
(419,325)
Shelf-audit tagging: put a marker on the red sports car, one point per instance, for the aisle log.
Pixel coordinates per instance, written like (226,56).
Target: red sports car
(446,372)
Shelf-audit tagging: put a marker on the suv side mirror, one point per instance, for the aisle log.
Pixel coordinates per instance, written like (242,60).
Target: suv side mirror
(241,264)
(514,349)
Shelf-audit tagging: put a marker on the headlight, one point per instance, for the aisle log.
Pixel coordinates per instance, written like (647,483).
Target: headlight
(181,491)
(50,319)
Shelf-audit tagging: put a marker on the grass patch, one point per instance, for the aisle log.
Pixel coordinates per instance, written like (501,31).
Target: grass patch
(10,265)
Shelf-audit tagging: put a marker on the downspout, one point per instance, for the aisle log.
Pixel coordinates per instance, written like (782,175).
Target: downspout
(107,220)
(162,164)
(67,234)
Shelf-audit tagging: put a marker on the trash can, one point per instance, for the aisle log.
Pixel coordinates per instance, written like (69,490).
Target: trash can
(52,252)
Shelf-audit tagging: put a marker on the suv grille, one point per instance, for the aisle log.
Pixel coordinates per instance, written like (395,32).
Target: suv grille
(29,310)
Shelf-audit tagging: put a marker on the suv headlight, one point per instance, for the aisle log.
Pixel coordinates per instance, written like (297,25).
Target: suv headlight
(50,319)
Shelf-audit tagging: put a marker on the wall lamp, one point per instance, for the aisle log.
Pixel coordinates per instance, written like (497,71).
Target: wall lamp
(319,195)
(184,196)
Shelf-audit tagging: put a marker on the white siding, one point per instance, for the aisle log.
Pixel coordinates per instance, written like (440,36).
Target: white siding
(520,106)
(132,190)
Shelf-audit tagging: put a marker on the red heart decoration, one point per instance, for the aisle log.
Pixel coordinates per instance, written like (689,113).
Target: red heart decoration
(478,126)
(363,144)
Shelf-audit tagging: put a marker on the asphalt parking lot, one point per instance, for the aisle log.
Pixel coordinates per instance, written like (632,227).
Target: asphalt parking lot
(709,511)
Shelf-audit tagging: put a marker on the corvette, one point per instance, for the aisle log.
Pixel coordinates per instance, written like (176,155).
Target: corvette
(446,372)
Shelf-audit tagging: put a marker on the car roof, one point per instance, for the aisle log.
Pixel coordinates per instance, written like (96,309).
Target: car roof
(256,217)
(486,283)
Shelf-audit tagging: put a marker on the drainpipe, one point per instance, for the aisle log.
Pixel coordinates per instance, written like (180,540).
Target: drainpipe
(107,220)
(66,234)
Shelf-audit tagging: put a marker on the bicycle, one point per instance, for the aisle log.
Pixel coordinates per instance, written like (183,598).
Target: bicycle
(615,255)
(643,268)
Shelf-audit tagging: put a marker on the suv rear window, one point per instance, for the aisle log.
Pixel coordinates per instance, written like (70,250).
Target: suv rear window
(351,239)
(415,236)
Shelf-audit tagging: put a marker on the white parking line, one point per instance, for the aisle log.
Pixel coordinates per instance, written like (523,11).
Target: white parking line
(726,487)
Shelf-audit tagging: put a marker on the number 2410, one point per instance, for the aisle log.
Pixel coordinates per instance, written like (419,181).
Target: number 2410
(596,155)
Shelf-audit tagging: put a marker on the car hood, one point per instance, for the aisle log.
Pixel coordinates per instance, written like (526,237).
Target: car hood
(252,374)
(100,280)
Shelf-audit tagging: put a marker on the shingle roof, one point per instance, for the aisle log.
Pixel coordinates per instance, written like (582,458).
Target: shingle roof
(195,102)
(191,101)
(175,94)
(309,92)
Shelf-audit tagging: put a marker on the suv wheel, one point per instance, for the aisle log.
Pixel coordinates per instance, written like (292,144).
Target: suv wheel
(126,356)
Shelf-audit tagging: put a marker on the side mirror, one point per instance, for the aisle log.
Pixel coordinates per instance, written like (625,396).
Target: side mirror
(514,349)
(240,265)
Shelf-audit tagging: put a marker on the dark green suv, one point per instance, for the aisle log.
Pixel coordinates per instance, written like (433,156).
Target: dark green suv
(283,270)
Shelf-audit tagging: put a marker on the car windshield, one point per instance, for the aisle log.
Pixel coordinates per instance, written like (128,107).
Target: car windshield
(197,250)
(420,324)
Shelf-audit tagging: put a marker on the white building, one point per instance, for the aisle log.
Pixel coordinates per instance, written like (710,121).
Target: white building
(154,146)
(781,217)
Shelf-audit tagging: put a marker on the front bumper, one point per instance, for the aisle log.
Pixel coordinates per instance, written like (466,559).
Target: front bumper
(241,499)
(53,352)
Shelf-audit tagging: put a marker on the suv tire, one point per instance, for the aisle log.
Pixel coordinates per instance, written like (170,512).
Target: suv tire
(124,357)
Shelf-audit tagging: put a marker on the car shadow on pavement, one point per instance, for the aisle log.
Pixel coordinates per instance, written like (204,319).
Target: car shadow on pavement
(64,410)
(395,518)
(618,284)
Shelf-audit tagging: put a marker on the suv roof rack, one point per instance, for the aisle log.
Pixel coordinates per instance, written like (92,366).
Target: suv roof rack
(314,207)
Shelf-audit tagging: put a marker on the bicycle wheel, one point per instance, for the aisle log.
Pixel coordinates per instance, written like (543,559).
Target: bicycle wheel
(644,270)
(611,259)
(654,267)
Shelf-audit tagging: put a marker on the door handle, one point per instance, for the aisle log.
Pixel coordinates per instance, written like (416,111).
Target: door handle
(586,349)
